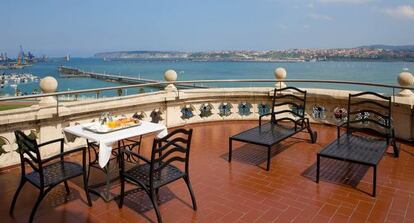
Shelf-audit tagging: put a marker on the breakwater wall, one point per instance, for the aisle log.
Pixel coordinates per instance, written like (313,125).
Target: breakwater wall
(69,72)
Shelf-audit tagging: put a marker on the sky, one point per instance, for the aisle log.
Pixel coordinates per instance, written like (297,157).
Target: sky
(85,27)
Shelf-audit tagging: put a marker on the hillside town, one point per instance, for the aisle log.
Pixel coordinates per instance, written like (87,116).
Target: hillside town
(369,53)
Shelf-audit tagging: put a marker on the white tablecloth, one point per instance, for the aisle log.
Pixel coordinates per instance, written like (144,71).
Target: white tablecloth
(108,139)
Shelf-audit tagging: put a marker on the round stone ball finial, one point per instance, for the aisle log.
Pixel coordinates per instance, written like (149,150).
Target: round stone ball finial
(170,75)
(280,73)
(405,79)
(48,84)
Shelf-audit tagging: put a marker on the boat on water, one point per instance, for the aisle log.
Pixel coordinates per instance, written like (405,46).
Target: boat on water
(15,79)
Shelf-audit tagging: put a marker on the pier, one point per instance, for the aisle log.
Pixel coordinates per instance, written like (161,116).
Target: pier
(69,72)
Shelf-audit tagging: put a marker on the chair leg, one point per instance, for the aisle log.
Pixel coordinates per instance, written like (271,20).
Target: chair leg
(39,199)
(187,181)
(374,183)
(313,134)
(122,195)
(16,194)
(269,149)
(89,173)
(157,194)
(155,204)
(318,163)
(85,187)
(396,149)
(67,187)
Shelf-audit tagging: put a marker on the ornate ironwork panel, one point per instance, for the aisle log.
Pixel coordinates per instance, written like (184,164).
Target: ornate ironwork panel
(245,108)
(156,116)
(187,112)
(3,142)
(263,108)
(206,110)
(139,115)
(297,109)
(225,109)
(340,114)
(319,112)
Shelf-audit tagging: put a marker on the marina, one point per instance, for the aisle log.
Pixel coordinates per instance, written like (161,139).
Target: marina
(14,80)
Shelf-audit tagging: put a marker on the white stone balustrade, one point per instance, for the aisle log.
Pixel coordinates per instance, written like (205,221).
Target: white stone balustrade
(48,123)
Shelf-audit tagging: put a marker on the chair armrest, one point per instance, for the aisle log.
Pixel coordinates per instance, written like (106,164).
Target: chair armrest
(61,155)
(61,140)
(132,153)
(130,140)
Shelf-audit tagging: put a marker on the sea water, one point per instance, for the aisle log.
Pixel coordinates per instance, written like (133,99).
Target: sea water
(372,72)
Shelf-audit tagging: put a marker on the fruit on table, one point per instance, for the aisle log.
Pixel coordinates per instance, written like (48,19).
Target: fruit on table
(122,122)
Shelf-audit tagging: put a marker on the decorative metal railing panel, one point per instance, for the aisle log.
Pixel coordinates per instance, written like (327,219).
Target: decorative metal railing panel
(225,109)
(187,112)
(156,116)
(206,110)
(319,112)
(245,108)
(263,108)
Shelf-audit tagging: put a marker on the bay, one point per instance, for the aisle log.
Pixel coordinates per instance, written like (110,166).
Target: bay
(373,72)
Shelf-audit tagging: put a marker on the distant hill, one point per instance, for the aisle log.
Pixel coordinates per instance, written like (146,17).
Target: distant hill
(389,47)
(365,53)
(142,55)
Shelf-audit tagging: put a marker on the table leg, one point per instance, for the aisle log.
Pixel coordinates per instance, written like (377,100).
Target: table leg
(105,193)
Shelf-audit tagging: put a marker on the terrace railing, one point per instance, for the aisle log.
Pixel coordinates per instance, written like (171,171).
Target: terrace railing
(244,99)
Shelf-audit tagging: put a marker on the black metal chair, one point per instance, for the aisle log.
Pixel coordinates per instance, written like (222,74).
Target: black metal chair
(367,116)
(159,171)
(47,173)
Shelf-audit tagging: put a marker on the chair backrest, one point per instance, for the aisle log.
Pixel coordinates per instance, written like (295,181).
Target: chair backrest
(291,96)
(175,147)
(29,151)
(371,115)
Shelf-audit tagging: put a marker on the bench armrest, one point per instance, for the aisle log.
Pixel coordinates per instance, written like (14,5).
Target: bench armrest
(261,116)
(338,129)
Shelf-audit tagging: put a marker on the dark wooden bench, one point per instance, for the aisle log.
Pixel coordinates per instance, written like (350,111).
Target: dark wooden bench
(278,129)
(363,149)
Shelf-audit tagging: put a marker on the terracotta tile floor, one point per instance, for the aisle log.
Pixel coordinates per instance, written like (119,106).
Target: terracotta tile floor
(240,191)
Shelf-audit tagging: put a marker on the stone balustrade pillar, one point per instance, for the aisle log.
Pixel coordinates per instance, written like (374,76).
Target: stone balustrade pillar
(170,76)
(170,96)
(280,75)
(48,85)
(405,80)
